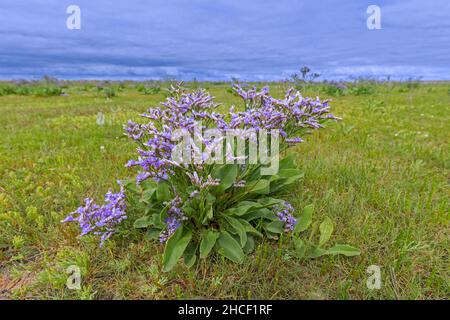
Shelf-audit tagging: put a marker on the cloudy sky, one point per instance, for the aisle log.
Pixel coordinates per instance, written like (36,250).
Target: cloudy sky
(220,39)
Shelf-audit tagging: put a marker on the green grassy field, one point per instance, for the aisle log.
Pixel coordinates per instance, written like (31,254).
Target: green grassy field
(381,174)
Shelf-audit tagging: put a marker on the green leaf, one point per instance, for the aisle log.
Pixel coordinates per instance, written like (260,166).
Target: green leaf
(269,202)
(316,252)
(275,226)
(288,162)
(209,214)
(156,221)
(189,254)
(256,214)
(229,247)
(250,229)
(152,234)
(210,198)
(239,228)
(147,195)
(163,192)
(175,247)
(227,175)
(305,219)
(300,248)
(344,249)
(250,245)
(260,187)
(287,173)
(130,185)
(279,183)
(242,208)
(142,222)
(207,242)
(326,229)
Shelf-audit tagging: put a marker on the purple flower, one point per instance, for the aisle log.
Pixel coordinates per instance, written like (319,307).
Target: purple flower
(100,220)
(289,115)
(174,219)
(284,213)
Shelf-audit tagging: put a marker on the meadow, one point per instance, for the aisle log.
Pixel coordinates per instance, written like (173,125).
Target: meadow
(381,174)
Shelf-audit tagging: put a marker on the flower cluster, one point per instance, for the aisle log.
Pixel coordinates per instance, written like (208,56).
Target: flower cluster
(174,219)
(180,112)
(198,182)
(184,110)
(100,220)
(155,152)
(284,213)
(290,115)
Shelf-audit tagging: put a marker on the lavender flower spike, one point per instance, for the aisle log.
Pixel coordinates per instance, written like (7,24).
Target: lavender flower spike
(284,213)
(100,220)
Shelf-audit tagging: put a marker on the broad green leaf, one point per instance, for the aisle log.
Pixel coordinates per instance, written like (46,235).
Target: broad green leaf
(305,219)
(229,247)
(152,234)
(209,215)
(150,209)
(163,192)
(337,249)
(142,222)
(281,183)
(269,202)
(250,245)
(326,229)
(300,248)
(275,226)
(250,229)
(256,214)
(260,187)
(147,195)
(288,162)
(207,242)
(287,173)
(227,175)
(292,179)
(175,247)
(242,208)
(131,186)
(316,252)
(210,198)
(344,249)
(190,254)
(156,221)
(238,228)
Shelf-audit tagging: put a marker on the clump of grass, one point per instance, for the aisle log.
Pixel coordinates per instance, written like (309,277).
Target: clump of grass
(333,88)
(106,90)
(29,88)
(362,87)
(149,89)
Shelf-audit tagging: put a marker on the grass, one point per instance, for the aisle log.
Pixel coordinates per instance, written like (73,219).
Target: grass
(381,174)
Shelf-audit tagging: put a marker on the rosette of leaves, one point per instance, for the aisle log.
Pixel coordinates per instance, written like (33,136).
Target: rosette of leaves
(306,248)
(223,219)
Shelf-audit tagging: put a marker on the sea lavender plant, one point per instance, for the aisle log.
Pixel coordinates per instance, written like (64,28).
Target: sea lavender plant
(199,206)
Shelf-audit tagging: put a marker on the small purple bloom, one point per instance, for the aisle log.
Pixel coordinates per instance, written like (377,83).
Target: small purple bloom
(100,220)
(284,213)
